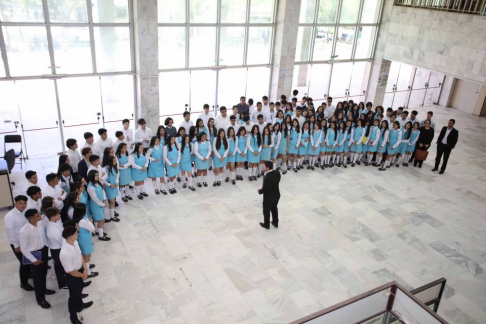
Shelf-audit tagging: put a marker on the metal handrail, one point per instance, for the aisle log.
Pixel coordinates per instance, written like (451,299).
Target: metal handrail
(473,7)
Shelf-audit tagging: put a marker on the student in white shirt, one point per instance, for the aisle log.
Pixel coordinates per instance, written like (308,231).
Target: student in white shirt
(143,134)
(120,138)
(232,124)
(14,220)
(235,113)
(65,178)
(96,165)
(73,154)
(187,122)
(247,124)
(271,114)
(76,272)
(54,243)
(265,105)
(222,120)
(33,239)
(403,119)
(330,107)
(255,113)
(299,117)
(251,107)
(32,180)
(127,135)
(53,190)
(34,200)
(205,115)
(104,141)
(90,143)
(261,123)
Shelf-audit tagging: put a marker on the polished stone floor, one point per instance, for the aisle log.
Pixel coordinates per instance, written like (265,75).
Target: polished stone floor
(201,257)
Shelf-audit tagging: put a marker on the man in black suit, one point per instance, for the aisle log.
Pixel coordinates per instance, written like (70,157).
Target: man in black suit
(271,195)
(445,143)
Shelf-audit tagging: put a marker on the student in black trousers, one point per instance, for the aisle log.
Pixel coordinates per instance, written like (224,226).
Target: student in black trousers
(271,195)
(445,143)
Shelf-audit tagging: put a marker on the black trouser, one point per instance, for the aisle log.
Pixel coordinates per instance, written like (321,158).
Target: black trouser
(39,272)
(58,268)
(24,270)
(273,208)
(442,149)
(75,303)
(415,161)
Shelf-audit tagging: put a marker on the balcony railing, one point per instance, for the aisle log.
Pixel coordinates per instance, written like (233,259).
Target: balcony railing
(473,7)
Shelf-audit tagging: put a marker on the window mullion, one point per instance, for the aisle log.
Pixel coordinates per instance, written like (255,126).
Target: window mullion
(247,31)
(314,31)
(49,37)
(355,42)
(218,32)
(4,53)
(91,37)
(187,32)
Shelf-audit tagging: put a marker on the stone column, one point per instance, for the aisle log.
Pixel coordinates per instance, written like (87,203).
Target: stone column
(147,61)
(284,48)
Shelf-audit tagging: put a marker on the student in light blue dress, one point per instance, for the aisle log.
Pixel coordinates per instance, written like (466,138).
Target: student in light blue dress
(322,148)
(267,144)
(193,138)
(366,131)
(294,142)
(394,140)
(411,143)
(383,142)
(139,163)
(402,148)
(282,148)
(241,150)
(340,143)
(304,143)
(232,152)
(80,187)
(161,135)
(202,150)
(330,144)
(200,127)
(156,168)
(254,146)
(220,149)
(314,146)
(186,162)
(212,132)
(289,111)
(373,140)
(347,142)
(181,132)
(172,158)
(97,203)
(356,148)
(85,240)
(111,186)
(276,137)
(280,117)
(125,171)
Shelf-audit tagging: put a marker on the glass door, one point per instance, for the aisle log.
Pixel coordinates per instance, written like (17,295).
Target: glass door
(39,117)
(419,87)
(340,81)
(231,86)
(203,89)
(300,81)
(9,113)
(319,82)
(257,83)
(398,86)
(433,88)
(359,81)
(173,95)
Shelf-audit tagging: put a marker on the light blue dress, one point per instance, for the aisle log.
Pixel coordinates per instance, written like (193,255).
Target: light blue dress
(193,157)
(282,147)
(203,149)
(139,175)
(293,141)
(252,158)
(232,150)
(382,150)
(415,134)
(346,142)
(365,146)
(315,137)
(172,156)
(216,161)
(278,120)
(211,135)
(186,159)
(303,149)
(241,148)
(156,169)
(323,148)
(340,149)
(111,193)
(125,174)
(85,200)
(358,131)
(402,148)
(274,148)
(97,211)
(373,137)
(204,129)
(331,138)
(266,152)
(85,240)
(393,139)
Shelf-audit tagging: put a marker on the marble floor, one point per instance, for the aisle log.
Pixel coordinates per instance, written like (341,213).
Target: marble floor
(201,257)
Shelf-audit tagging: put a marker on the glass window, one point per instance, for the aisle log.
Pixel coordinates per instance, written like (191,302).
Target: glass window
(344,43)
(72,50)
(327,11)
(203,89)
(259,45)
(300,79)
(341,76)
(112,46)
(349,11)
(172,47)
(202,46)
(232,45)
(262,11)
(118,101)
(364,45)
(319,82)
(233,11)
(307,11)
(2,66)
(371,12)
(257,83)
(323,43)
(203,11)
(110,11)
(359,80)
(231,86)
(68,11)
(172,11)
(174,89)
(21,11)
(9,111)
(27,50)
(303,44)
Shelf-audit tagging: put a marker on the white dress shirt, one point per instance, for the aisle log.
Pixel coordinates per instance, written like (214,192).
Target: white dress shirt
(129,139)
(74,158)
(444,140)
(329,111)
(402,122)
(21,189)
(117,143)
(32,238)
(205,117)
(248,127)
(54,235)
(301,120)
(221,122)
(235,127)
(261,127)
(104,144)
(140,134)
(265,108)
(254,115)
(55,193)
(32,204)
(101,172)
(187,125)
(70,257)
(270,116)
(14,221)
(94,148)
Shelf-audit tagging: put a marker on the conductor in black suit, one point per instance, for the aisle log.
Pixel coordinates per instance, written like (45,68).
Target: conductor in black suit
(271,195)
(445,143)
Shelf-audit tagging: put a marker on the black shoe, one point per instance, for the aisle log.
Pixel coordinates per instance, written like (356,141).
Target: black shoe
(296,170)
(258,175)
(192,188)
(199,185)
(104,234)
(358,162)
(114,219)
(263,225)
(420,166)
(184,186)
(131,187)
(435,169)
(278,168)
(376,165)
(178,179)
(49,292)
(194,175)
(397,165)
(210,168)
(84,296)
(91,266)
(441,172)
(250,178)
(45,304)
(116,204)
(410,161)
(163,192)
(87,305)
(76,322)
(144,194)
(308,167)
(274,224)
(382,169)
(27,287)
(171,191)
(312,168)
(125,199)
(233,182)
(157,192)
(105,238)
(140,197)
(284,172)
(86,284)
(322,167)
(215,183)
(174,190)
(227,179)
(129,197)
(219,183)
(353,165)
(205,184)
(254,178)
(297,167)
(107,221)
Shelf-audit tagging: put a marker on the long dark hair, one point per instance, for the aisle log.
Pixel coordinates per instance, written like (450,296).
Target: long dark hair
(344,127)
(106,155)
(197,125)
(367,128)
(62,160)
(228,133)
(91,178)
(268,137)
(169,147)
(137,147)
(214,129)
(119,148)
(240,129)
(183,142)
(282,131)
(259,136)
(409,131)
(79,212)
(165,134)
(110,164)
(199,137)
(192,132)
(152,141)
(383,131)
(218,140)
(297,129)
